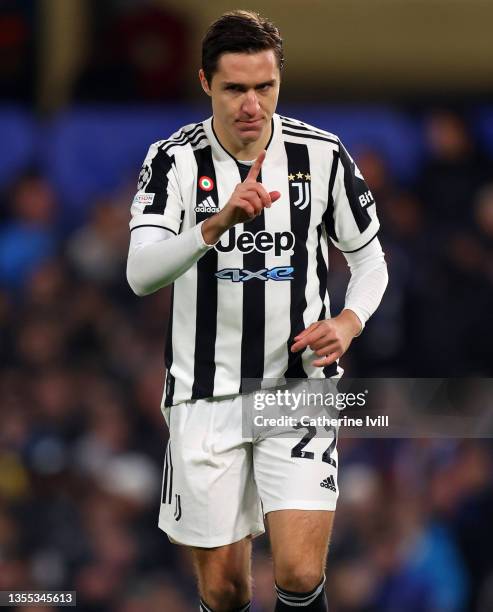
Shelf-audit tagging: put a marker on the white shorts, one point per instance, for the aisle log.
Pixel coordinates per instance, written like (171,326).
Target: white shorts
(217,485)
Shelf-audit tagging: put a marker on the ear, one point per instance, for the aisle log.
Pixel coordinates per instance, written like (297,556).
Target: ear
(204,83)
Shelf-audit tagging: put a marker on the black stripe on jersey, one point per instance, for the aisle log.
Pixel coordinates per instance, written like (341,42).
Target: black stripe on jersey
(165,481)
(328,216)
(198,139)
(206,312)
(168,355)
(253,336)
(183,137)
(159,167)
(183,134)
(306,132)
(301,134)
(297,123)
(170,388)
(322,273)
(196,144)
(355,187)
(298,162)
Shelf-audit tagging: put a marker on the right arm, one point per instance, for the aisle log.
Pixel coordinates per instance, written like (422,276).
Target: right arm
(157,257)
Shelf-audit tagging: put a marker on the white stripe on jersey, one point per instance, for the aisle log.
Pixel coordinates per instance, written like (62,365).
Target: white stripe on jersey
(183,332)
(184,325)
(229,297)
(277,294)
(312,293)
(236,311)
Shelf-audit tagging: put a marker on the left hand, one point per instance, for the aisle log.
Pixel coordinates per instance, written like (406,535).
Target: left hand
(329,338)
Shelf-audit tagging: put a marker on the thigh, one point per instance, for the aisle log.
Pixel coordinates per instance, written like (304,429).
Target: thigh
(209,497)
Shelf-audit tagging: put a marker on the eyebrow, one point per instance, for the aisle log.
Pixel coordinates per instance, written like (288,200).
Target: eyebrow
(243,86)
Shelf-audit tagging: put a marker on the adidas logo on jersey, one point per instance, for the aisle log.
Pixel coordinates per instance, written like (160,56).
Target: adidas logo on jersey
(329,483)
(207,206)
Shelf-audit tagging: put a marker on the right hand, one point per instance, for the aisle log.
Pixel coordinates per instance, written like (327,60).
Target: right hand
(247,201)
(249,198)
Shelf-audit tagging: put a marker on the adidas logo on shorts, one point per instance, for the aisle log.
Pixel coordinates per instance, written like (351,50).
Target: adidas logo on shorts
(329,483)
(207,206)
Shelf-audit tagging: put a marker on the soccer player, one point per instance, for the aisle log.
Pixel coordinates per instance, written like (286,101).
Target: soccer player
(235,211)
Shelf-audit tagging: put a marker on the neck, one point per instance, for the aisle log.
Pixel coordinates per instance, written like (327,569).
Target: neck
(240,150)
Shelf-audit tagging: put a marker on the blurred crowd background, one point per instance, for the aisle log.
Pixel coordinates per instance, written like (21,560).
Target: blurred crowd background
(85,88)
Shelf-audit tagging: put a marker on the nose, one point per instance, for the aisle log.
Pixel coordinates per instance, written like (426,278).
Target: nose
(250,104)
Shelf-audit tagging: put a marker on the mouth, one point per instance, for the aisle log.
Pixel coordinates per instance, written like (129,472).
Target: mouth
(250,124)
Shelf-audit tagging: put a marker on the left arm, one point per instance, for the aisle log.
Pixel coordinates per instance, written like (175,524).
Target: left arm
(331,338)
(352,224)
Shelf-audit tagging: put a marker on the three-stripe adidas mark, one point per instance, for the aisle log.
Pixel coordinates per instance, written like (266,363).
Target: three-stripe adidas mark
(329,483)
(207,206)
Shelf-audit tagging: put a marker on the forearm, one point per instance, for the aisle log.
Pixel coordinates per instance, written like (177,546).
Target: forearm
(155,264)
(368,281)
(365,292)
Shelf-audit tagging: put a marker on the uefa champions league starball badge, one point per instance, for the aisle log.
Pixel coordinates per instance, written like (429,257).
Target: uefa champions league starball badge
(144,177)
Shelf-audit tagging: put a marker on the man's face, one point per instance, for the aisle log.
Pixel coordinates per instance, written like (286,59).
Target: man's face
(244,92)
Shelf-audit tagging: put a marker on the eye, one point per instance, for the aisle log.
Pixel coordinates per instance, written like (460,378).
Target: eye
(264,87)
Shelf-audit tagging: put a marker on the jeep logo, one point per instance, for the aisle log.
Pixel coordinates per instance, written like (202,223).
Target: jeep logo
(263,241)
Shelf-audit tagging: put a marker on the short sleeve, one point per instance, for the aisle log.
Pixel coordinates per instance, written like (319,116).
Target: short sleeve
(157,201)
(350,219)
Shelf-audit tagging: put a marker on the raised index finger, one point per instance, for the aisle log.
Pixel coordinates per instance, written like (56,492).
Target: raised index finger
(255,169)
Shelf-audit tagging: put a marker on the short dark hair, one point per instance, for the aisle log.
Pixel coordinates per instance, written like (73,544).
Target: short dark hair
(239,32)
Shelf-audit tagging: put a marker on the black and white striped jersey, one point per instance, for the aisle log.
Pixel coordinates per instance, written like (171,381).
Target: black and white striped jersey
(235,312)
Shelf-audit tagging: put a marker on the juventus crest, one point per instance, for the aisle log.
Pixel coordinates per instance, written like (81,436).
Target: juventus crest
(300,189)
